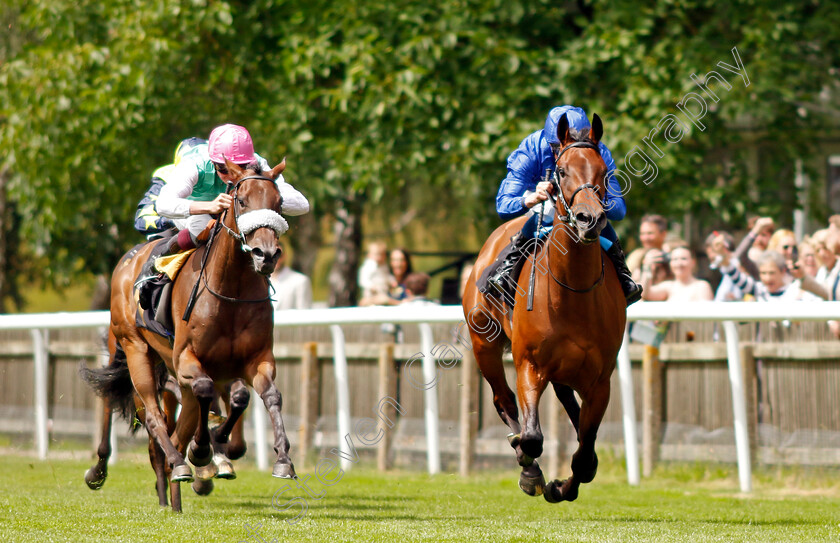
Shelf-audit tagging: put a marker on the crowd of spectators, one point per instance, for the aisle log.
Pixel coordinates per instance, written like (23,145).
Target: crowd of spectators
(767,265)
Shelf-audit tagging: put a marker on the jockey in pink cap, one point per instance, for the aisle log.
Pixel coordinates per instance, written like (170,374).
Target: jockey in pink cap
(196,188)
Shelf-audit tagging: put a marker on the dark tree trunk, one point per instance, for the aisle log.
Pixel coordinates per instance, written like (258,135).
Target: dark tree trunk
(348,245)
(305,239)
(101,298)
(10,298)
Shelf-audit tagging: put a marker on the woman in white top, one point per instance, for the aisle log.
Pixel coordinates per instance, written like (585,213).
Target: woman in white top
(685,287)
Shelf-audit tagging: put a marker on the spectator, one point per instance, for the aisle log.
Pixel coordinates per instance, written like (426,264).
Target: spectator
(829,271)
(652,232)
(374,277)
(772,271)
(685,287)
(399,263)
(761,229)
(292,290)
(754,244)
(726,290)
(416,289)
(782,241)
(808,257)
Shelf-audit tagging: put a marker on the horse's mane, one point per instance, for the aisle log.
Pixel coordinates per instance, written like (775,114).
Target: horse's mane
(580,134)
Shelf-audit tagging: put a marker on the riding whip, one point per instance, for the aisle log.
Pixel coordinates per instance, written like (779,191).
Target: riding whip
(536,238)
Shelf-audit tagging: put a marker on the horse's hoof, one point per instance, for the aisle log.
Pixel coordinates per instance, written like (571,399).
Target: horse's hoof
(532,485)
(95,479)
(197,459)
(206,472)
(554,492)
(202,487)
(181,474)
(225,467)
(284,471)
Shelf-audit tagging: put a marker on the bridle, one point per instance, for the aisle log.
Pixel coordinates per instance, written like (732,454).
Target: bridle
(569,217)
(266,214)
(257,219)
(555,181)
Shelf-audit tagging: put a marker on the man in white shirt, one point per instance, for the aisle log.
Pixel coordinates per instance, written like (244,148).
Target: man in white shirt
(292,290)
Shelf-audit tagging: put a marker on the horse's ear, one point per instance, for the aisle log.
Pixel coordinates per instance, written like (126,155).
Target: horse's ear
(235,170)
(597,128)
(277,170)
(563,129)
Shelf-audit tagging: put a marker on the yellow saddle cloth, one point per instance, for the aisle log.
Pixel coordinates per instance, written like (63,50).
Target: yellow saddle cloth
(171,264)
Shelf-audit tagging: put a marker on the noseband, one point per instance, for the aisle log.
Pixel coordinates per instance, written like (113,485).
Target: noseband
(250,221)
(555,181)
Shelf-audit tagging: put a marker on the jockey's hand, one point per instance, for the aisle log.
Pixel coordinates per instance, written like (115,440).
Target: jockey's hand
(544,188)
(222,202)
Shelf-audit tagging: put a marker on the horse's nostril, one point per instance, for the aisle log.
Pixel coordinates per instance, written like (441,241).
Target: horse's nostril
(584,219)
(258,252)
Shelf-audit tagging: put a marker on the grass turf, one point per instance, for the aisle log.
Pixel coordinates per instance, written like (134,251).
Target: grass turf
(48,501)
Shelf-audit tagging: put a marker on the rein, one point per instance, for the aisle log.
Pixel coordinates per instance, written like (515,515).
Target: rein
(555,179)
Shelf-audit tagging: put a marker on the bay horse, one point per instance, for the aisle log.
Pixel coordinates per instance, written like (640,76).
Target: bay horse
(226,332)
(571,338)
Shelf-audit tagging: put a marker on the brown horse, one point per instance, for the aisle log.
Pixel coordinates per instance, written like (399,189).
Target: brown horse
(228,334)
(572,336)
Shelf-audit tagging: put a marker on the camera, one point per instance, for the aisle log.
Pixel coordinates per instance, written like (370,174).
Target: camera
(666,258)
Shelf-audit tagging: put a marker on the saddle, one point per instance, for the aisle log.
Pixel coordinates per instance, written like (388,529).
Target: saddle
(153,290)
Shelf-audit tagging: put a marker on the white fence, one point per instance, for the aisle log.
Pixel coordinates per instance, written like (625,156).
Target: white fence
(423,316)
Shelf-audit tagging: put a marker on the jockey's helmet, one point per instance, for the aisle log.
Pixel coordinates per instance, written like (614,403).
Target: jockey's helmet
(575,115)
(232,142)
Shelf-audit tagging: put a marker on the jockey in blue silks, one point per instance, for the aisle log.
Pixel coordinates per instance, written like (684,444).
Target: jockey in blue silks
(523,188)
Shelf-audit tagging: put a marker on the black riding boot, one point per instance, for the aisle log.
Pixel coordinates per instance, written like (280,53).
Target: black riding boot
(499,276)
(150,277)
(632,290)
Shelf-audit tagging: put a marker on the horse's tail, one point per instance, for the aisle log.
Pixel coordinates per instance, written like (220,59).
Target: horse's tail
(113,384)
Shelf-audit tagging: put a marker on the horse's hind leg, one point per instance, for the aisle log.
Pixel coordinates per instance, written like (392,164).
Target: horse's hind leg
(95,475)
(145,383)
(263,383)
(567,397)
(584,461)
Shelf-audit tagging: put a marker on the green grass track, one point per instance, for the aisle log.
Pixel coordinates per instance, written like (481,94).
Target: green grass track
(49,502)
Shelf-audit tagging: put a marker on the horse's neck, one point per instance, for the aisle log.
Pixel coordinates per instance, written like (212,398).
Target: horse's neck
(578,265)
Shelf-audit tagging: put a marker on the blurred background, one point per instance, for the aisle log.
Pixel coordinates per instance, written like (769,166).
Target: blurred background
(396,119)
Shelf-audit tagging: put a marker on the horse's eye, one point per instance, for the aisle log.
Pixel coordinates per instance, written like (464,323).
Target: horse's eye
(561,172)
(240,202)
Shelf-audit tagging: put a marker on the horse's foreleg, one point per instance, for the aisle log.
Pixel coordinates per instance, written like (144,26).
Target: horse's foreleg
(143,377)
(227,444)
(530,386)
(584,461)
(263,383)
(191,376)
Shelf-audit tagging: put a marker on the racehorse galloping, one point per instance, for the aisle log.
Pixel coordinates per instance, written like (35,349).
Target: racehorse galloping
(571,338)
(229,332)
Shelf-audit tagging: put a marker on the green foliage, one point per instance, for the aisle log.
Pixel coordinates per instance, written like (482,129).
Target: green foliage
(368,98)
